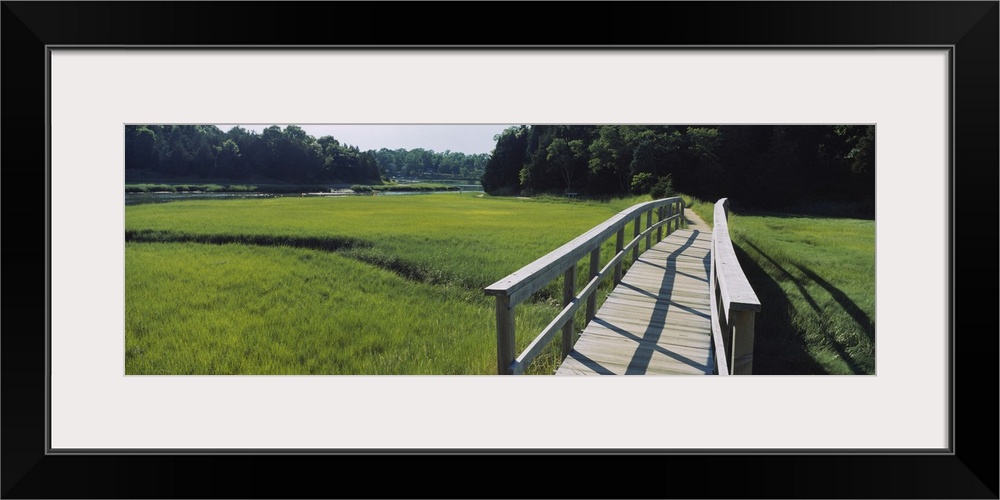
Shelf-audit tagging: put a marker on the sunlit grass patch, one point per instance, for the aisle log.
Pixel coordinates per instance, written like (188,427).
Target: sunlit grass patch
(238,309)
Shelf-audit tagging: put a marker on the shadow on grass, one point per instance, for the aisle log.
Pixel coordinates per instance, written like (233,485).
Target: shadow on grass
(860,317)
(779,348)
(779,294)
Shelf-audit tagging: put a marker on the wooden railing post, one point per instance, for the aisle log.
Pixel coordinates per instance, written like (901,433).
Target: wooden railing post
(742,327)
(595,269)
(569,292)
(659,230)
(635,234)
(649,223)
(505,335)
(619,246)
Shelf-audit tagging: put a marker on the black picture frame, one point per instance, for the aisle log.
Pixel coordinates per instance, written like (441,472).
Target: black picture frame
(969,471)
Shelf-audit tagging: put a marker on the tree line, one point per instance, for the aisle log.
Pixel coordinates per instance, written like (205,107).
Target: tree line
(205,151)
(289,155)
(424,162)
(765,166)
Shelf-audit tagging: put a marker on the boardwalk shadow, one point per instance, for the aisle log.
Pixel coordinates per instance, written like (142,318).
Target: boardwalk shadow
(860,317)
(779,348)
(648,350)
(640,360)
(589,363)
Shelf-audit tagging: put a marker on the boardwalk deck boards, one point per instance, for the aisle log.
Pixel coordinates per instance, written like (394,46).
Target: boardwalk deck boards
(658,320)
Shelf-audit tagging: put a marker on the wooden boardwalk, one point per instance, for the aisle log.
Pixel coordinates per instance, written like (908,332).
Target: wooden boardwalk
(658,319)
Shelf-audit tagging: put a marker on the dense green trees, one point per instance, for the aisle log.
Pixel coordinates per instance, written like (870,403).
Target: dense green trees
(504,165)
(421,162)
(766,166)
(292,155)
(205,151)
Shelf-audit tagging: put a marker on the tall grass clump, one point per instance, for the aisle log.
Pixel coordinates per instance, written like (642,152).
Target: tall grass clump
(238,309)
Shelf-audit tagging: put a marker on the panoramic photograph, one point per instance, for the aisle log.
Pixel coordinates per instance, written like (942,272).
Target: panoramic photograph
(536,249)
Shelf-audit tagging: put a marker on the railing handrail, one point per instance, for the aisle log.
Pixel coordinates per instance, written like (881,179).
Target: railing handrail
(737,294)
(732,291)
(514,283)
(521,284)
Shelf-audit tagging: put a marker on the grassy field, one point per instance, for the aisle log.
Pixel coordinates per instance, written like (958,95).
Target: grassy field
(243,309)
(393,285)
(815,278)
(352,285)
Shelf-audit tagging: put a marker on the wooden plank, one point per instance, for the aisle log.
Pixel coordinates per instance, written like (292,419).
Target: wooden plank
(643,304)
(685,238)
(687,296)
(694,304)
(642,331)
(661,318)
(645,273)
(689,332)
(573,367)
(690,272)
(694,290)
(646,362)
(683,291)
(671,325)
(621,367)
(601,337)
(653,364)
(662,262)
(695,354)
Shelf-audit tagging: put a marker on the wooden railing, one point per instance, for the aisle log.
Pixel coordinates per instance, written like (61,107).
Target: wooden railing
(521,284)
(734,303)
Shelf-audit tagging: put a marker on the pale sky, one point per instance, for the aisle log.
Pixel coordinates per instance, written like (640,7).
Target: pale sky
(468,139)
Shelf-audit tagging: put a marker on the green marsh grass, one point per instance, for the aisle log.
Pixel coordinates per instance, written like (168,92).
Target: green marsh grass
(238,309)
(354,285)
